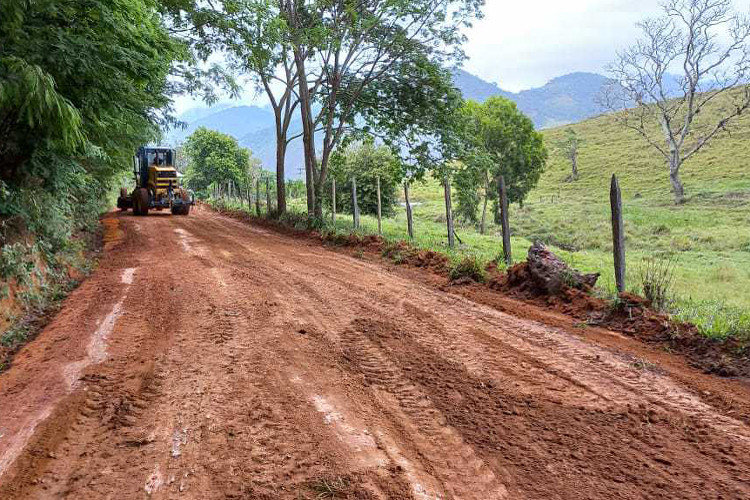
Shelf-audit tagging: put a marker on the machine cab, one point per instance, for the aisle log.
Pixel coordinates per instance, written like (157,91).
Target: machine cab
(155,168)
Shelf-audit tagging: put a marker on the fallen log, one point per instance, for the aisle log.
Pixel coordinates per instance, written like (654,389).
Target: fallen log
(551,275)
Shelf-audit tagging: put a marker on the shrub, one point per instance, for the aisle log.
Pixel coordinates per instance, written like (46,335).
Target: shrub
(468,267)
(656,280)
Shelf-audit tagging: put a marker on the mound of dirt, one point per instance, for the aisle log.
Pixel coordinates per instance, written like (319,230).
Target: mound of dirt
(630,314)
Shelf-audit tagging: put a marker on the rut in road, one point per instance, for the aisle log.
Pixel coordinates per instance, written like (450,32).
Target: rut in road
(242,363)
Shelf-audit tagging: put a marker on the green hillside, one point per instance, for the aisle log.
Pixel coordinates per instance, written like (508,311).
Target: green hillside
(707,238)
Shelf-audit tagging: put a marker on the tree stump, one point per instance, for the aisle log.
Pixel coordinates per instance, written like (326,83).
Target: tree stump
(551,275)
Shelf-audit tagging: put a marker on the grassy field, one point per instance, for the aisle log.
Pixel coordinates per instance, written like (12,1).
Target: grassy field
(707,239)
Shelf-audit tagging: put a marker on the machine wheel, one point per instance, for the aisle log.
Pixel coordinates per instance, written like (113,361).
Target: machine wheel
(122,201)
(140,201)
(182,209)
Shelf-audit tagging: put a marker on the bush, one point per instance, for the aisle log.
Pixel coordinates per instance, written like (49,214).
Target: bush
(656,280)
(468,267)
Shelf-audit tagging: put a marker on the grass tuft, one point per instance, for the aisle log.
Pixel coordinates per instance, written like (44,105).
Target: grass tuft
(468,267)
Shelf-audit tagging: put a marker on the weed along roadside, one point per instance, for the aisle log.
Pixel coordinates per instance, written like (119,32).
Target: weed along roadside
(34,282)
(547,282)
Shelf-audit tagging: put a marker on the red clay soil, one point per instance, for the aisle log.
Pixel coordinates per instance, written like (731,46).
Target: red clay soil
(208,358)
(633,316)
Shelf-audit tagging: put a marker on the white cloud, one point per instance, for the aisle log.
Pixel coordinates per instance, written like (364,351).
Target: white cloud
(524,44)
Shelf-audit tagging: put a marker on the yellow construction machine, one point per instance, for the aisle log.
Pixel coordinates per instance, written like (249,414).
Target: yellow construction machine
(157,184)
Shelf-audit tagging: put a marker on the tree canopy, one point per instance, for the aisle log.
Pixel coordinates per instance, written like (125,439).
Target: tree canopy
(367,162)
(500,141)
(214,157)
(76,99)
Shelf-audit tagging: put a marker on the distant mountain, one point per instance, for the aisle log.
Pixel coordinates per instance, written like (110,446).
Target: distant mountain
(236,121)
(473,87)
(564,100)
(567,99)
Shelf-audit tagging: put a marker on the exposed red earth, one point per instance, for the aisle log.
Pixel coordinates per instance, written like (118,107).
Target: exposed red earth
(209,358)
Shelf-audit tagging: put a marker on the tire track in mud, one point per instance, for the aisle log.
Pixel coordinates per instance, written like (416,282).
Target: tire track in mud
(605,383)
(455,464)
(248,364)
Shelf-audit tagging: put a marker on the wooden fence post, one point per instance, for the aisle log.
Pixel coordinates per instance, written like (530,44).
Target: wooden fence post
(505,223)
(380,214)
(409,215)
(618,233)
(355,205)
(257,197)
(449,211)
(333,200)
(268,197)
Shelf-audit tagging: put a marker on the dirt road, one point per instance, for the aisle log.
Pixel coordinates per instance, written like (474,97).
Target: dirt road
(206,358)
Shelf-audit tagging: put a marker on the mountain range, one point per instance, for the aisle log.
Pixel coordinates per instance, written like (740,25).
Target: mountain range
(566,99)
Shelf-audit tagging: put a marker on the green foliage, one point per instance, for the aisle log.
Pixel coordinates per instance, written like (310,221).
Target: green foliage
(76,99)
(214,157)
(471,187)
(716,319)
(468,267)
(366,162)
(568,147)
(83,83)
(500,141)
(657,281)
(382,63)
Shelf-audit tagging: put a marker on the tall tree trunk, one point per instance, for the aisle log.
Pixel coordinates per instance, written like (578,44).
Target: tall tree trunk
(574,166)
(308,130)
(674,177)
(409,215)
(280,180)
(318,196)
(449,211)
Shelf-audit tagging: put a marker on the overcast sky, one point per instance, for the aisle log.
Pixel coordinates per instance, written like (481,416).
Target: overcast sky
(522,44)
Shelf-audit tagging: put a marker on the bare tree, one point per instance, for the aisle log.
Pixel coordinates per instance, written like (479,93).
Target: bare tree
(695,52)
(569,147)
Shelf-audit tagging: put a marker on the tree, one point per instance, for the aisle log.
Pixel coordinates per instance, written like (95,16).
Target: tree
(343,49)
(501,141)
(260,46)
(367,162)
(214,157)
(76,99)
(687,39)
(569,147)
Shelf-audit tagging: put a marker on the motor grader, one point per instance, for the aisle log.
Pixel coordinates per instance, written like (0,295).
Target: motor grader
(157,184)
